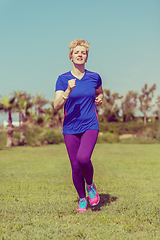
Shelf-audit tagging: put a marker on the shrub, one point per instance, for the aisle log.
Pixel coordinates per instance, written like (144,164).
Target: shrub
(52,136)
(16,137)
(134,127)
(108,138)
(149,133)
(3,139)
(38,130)
(138,140)
(40,120)
(34,136)
(37,136)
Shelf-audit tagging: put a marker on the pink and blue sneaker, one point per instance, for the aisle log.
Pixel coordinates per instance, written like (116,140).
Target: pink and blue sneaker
(93,195)
(82,205)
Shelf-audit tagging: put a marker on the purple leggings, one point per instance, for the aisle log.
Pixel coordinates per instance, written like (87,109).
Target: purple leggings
(80,147)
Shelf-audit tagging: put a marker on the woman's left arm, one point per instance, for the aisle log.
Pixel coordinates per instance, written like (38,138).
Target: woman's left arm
(99,96)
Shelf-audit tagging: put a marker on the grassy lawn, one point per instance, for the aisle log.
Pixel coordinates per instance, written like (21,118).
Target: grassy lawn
(38,199)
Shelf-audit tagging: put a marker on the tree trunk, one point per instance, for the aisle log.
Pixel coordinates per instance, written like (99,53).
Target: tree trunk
(145,119)
(9,135)
(22,135)
(9,118)
(20,119)
(9,131)
(59,120)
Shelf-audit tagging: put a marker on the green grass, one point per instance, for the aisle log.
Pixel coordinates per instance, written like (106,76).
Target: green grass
(38,199)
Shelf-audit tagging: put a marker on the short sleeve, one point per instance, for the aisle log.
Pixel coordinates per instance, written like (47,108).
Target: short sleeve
(59,84)
(99,82)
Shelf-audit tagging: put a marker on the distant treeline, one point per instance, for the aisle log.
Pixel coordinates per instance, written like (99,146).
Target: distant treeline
(115,108)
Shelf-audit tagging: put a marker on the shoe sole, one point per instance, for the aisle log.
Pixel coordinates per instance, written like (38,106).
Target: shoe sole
(94,204)
(81,210)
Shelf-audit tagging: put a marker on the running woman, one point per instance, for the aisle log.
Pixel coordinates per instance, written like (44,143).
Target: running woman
(80,91)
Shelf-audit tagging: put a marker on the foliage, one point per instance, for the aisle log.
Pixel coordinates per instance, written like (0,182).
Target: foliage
(23,104)
(109,107)
(52,136)
(108,138)
(128,105)
(39,201)
(145,99)
(8,105)
(3,139)
(39,101)
(31,110)
(34,135)
(134,127)
(139,140)
(54,117)
(40,120)
(16,137)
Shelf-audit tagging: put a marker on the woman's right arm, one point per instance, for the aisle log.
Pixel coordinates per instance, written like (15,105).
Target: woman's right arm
(60,99)
(61,96)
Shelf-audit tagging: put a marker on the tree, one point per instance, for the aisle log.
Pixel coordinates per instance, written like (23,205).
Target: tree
(128,105)
(109,107)
(54,117)
(39,101)
(8,105)
(23,104)
(156,112)
(145,100)
(19,98)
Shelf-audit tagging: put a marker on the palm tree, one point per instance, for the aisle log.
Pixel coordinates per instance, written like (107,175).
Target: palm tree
(8,105)
(19,96)
(58,115)
(39,101)
(54,117)
(23,104)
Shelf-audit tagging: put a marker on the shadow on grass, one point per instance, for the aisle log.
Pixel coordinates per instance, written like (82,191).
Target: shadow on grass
(105,200)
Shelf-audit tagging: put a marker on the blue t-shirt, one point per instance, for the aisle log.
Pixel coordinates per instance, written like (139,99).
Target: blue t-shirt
(80,112)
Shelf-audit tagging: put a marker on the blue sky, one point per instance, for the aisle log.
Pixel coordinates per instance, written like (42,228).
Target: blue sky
(124,38)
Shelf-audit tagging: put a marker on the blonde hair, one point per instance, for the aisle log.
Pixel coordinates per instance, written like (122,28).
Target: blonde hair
(78,42)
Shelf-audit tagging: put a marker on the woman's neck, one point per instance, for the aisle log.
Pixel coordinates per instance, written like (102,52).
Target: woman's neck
(78,71)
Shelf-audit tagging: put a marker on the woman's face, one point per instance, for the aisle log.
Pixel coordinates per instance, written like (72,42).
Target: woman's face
(79,55)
